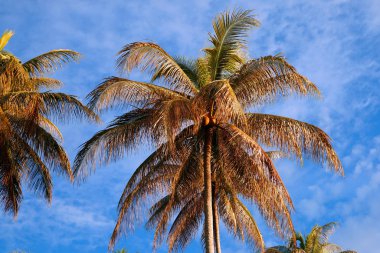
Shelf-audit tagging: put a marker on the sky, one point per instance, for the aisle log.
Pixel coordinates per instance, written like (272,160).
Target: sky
(334,43)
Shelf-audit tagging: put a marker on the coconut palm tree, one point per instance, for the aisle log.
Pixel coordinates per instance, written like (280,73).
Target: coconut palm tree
(317,241)
(29,141)
(198,116)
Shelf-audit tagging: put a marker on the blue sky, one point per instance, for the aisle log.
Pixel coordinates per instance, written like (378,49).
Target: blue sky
(334,43)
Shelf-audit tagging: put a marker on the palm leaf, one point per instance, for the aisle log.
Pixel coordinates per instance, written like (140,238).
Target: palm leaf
(151,57)
(230,31)
(293,136)
(116,91)
(7,35)
(50,61)
(261,80)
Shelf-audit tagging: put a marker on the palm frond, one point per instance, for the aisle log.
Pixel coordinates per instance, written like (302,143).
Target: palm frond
(50,127)
(186,224)
(4,39)
(50,61)
(44,144)
(122,135)
(250,227)
(45,82)
(273,155)
(293,136)
(218,98)
(10,185)
(262,80)
(59,106)
(151,57)
(160,158)
(331,248)
(37,173)
(230,31)
(116,91)
(318,237)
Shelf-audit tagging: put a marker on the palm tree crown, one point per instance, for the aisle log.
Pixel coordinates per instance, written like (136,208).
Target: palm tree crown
(29,141)
(209,153)
(317,241)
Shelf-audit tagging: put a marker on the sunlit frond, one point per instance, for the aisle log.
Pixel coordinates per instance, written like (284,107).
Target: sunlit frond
(186,224)
(13,77)
(50,61)
(230,31)
(318,237)
(151,57)
(331,248)
(116,91)
(273,155)
(45,82)
(7,35)
(249,225)
(50,127)
(254,176)
(218,98)
(262,80)
(122,135)
(44,144)
(160,157)
(59,106)
(293,136)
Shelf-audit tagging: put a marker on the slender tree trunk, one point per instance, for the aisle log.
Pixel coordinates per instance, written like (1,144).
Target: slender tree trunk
(216,221)
(209,233)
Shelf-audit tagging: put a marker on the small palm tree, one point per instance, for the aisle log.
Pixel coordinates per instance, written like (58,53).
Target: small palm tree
(29,141)
(315,242)
(208,143)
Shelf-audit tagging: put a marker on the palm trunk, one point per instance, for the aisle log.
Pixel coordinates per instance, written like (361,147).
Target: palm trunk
(216,221)
(209,233)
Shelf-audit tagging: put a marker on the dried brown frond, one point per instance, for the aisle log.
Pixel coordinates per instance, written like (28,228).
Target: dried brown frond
(151,57)
(262,80)
(186,224)
(293,136)
(116,91)
(50,61)
(218,99)
(45,82)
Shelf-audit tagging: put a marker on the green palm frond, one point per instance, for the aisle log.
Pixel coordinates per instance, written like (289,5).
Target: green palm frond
(318,237)
(230,31)
(50,61)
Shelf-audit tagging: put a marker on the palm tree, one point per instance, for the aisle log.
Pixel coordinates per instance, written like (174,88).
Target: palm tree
(208,144)
(29,141)
(317,241)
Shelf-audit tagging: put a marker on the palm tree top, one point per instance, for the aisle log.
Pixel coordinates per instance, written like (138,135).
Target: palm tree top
(199,113)
(30,143)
